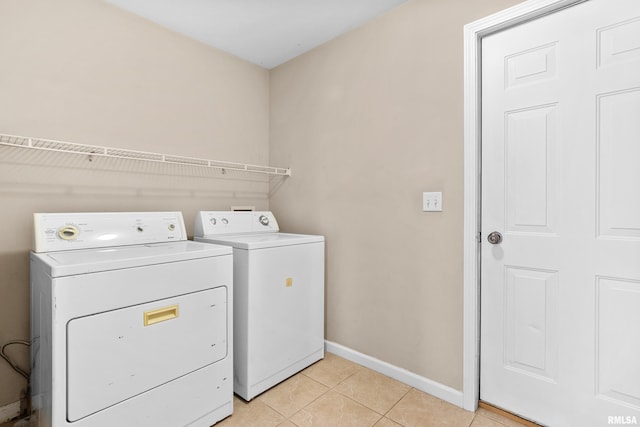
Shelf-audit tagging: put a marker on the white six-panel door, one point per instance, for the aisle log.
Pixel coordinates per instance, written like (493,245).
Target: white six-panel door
(560,295)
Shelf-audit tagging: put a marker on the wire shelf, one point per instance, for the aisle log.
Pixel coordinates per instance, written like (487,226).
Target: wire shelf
(92,150)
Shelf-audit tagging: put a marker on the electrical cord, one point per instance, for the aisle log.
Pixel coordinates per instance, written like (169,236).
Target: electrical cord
(11,362)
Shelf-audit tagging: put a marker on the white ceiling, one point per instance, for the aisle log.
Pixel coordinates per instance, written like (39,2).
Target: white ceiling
(265,32)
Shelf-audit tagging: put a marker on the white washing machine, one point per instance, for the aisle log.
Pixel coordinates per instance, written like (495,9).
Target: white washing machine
(278,296)
(131,323)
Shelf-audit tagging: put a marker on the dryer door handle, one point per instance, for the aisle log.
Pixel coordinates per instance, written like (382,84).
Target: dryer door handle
(160,315)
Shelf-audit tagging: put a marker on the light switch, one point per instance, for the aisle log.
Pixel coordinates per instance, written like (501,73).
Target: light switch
(432,201)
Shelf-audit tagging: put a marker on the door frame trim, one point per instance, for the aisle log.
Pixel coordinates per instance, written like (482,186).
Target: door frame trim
(473,34)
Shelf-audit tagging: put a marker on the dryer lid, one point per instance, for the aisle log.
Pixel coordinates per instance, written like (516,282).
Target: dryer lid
(68,263)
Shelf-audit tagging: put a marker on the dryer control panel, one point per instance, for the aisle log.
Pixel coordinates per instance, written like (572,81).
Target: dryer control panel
(66,231)
(234,222)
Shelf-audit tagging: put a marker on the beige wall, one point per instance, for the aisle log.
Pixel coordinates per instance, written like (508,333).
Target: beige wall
(368,122)
(84,71)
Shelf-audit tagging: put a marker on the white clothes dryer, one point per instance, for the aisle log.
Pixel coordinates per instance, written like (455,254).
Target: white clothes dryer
(278,296)
(131,323)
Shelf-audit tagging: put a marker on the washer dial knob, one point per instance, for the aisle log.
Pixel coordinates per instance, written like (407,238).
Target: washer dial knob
(264,220)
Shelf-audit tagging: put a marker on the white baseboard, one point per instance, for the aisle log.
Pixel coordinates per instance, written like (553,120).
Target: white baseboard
(9,412)
(426,385)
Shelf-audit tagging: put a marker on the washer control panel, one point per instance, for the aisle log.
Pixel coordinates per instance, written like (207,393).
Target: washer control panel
(230,222)
(65,231)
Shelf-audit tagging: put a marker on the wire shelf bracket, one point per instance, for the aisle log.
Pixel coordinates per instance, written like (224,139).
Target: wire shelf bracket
(119,153)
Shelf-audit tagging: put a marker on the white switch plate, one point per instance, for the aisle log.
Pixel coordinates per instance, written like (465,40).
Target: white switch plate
(432,201)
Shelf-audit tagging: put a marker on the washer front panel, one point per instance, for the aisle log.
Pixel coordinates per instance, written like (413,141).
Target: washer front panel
(284,308)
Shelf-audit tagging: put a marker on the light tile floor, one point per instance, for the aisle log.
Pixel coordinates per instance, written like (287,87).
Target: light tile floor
(336,392)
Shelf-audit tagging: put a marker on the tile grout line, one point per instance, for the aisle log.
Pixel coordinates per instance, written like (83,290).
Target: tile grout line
(310,403)
(341,394)
(396,404)
(382,415)
(333,389)
(288,417)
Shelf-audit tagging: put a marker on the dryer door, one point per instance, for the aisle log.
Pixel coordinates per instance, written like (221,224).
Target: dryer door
(118,354)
